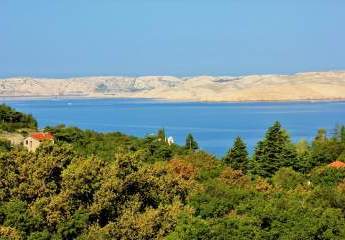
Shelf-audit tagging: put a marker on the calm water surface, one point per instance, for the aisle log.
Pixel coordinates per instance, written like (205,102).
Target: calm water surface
(214,125)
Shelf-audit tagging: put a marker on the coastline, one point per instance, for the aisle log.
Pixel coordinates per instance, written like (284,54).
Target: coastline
(167,100)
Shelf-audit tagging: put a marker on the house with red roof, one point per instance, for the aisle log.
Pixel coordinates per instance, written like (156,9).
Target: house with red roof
(35,139)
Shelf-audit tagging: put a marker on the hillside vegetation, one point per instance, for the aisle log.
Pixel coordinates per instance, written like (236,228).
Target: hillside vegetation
(11,120)
(91,185)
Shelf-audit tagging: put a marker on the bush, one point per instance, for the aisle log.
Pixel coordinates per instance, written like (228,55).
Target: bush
(287,178)
(327,176)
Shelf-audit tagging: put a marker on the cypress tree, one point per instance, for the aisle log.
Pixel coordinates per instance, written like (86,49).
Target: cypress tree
(237,156)
(273,152)
(161,135)
(191,144)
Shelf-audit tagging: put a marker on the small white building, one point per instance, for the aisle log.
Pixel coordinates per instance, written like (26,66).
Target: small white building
(34,140)
(170,140)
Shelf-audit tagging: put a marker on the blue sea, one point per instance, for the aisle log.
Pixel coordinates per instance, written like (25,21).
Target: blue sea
(214,125)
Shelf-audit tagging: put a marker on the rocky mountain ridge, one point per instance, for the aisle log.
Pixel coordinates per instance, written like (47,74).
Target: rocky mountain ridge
(300,86)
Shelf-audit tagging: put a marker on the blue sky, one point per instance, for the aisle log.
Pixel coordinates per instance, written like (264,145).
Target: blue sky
(61,38)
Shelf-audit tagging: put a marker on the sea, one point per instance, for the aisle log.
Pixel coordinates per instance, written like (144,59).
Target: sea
(214,125)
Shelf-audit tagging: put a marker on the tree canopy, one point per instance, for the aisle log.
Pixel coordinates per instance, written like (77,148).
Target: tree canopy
(91,185)
(10,119)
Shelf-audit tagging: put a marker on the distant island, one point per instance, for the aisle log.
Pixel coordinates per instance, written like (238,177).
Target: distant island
(300,86)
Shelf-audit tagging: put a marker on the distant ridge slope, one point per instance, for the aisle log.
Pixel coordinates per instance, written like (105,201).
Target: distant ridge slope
(300,86)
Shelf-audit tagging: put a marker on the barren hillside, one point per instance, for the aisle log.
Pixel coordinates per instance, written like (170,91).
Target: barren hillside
(301,86)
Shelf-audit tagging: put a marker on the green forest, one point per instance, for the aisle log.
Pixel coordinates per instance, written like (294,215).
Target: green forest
(89,185)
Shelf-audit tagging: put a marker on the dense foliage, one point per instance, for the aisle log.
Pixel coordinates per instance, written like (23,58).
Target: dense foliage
(105,146)
(91,185)
(11,120)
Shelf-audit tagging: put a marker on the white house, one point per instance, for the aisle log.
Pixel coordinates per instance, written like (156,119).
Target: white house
(170,140)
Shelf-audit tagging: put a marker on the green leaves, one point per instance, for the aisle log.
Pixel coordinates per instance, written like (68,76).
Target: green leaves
(327,176)
(288,179)
(16,214)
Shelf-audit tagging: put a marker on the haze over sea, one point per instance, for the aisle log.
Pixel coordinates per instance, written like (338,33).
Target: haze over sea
(214,125)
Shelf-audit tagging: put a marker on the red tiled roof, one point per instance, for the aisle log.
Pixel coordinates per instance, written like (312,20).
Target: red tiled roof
(337,164)
(42,136)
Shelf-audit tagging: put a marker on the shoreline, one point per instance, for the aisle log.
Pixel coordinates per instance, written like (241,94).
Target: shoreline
(167,100)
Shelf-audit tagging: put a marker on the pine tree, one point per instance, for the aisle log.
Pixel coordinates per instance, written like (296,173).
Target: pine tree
(191,144)
(273,152)
(237,156)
